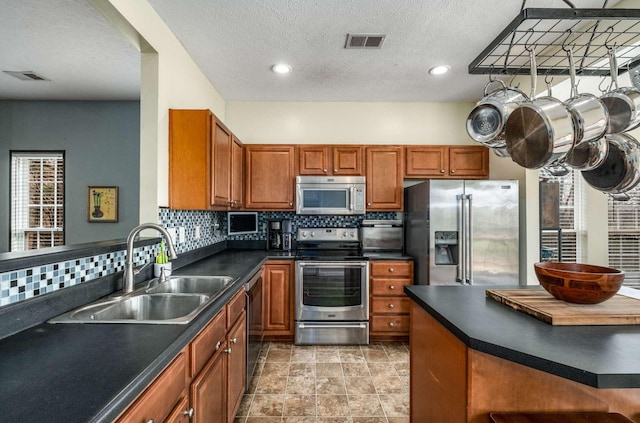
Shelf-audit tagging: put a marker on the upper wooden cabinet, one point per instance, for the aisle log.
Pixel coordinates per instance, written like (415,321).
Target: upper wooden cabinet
(384,178)
(269,177)
(468,162)
(330,160)
(236,200)
(200,161)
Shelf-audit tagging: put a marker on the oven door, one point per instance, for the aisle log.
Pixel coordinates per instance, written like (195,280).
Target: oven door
(332,290)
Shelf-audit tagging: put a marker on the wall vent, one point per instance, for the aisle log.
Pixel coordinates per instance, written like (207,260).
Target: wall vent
(26,75)
(364,40)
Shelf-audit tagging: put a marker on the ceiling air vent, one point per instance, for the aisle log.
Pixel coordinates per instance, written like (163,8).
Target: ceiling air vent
(26,75)
(364,40)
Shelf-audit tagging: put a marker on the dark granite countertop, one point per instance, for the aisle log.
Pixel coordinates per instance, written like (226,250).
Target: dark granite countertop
(598,356)
(91,372)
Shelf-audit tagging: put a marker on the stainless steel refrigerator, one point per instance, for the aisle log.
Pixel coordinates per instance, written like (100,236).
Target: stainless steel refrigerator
(463,232)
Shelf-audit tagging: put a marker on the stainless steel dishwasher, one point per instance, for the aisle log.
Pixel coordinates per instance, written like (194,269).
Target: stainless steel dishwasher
(255,326)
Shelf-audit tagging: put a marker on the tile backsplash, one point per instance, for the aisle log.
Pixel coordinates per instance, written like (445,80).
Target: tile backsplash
(211,226)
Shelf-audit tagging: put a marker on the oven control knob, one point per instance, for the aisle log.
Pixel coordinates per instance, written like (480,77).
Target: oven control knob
(312,234)
(352,234)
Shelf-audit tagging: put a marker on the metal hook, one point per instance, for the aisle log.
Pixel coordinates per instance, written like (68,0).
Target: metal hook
(606,42)
(547,80)
(528,46)
(566,41)
(603,91)
(491,77)
(513,78)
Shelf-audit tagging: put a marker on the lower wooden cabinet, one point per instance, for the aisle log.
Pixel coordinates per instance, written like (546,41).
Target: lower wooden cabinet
(277,296)
(389,306)
(208,392)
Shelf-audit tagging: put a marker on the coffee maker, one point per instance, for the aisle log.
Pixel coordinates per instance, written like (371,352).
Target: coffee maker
(279,234)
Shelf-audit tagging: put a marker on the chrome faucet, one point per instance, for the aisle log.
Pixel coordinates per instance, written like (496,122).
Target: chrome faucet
(129,272)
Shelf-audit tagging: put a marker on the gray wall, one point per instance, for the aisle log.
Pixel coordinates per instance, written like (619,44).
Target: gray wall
(101,141)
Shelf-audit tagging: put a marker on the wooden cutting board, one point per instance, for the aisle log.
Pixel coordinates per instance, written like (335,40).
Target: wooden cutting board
(618,310)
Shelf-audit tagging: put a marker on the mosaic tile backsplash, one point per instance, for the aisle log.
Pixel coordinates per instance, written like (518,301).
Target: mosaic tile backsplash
(211,226)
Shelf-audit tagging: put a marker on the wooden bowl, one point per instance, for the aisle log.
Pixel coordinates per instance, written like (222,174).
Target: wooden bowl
(579,283)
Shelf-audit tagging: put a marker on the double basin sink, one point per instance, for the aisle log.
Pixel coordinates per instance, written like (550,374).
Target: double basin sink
(178,300)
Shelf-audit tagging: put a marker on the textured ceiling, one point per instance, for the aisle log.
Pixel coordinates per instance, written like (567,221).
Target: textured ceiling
(235,42)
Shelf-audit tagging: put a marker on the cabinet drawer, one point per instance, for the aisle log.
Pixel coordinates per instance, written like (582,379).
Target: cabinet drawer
(393,287)
(391,268)
(390,323)
(390,305)
(235,307)
(161,396)
(208,341)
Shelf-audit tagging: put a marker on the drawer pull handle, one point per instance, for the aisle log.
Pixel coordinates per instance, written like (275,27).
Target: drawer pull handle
(391,270)
(234,340)
(227,350)
(392,287)
(188,413)
(391,306)
(391,324)
(218,345)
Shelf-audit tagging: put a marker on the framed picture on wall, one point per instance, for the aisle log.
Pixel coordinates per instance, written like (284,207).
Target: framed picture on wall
(102,204)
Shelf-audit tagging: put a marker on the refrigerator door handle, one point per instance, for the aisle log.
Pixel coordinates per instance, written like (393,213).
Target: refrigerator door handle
(460,267)
(469,242)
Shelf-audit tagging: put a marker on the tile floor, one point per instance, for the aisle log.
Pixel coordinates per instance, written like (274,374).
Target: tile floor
(329,384)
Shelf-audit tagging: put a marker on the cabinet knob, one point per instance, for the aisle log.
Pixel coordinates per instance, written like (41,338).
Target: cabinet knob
(218,344)
(188,413)
(149,421)
(227,350)
(291,204)
(324,170)
(391,324)
(391,306)
(453,171)
(391,270)
(335,170)
(441,170)
(234,340)
(392,287)
(369,204)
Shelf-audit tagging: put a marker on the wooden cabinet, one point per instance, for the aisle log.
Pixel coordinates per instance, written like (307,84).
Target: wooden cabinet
(389,306)
(468,162)
(236,365)
(208,392)
(269,177)
(236,200)
(201,149)
(277,295)
(163,397)
(330,160)
(384,172)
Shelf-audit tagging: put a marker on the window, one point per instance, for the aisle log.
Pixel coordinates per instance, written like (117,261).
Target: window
(37,200)
(572,225)
(624,237)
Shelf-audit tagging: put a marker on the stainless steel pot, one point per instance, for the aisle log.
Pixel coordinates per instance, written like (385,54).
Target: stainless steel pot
(623,104)
(590,116)
(620,171)
(588,155)
(485,123)
(539,132)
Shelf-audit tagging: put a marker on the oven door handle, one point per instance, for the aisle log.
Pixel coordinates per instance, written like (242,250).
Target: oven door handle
(331,325)
(333,263)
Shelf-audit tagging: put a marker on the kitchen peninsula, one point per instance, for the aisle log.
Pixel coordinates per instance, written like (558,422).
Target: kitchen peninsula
(479,356)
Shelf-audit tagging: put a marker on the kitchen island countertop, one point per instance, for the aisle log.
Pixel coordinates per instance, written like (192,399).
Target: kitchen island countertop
(598,356)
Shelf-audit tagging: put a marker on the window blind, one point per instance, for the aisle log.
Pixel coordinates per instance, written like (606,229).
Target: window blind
(624,237)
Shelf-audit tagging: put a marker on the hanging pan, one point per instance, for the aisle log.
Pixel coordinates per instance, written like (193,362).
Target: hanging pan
(539,131)
(620,171)
(485,123)
(623,104)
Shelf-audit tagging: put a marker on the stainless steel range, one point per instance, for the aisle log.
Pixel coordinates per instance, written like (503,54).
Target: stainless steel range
(331,287)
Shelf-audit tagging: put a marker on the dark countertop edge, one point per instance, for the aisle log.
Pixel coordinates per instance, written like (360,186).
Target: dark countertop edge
(577,375)
(25,259)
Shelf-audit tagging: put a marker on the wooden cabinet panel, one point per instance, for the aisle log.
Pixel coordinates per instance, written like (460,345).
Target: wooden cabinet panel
(469,162)
(278,299)
(207,342)
(237,365)
(392,268)
(384,178)
(221,160)
(447,161)
(181,413)
(162,396)
(269,177)
(208,393)
(392,323)
(389,286)
(313,160)
(237,174)
(347,160)
(235,307)
(389,305)
(426,162)
(189,159)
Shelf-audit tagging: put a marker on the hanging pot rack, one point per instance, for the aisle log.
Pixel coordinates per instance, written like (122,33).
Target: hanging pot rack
(589,32)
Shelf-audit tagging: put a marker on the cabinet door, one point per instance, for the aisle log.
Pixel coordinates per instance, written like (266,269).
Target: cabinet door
(347,160)
(426,162)
(469,162)
(313,160)
(269,177)
(237,365)
(181,413)
(209,390)
(237,173)
(189,159)
(278,299)
(384,178)
(221,170)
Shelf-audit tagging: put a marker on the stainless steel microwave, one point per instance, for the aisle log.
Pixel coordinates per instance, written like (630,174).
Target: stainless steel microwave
(341,195)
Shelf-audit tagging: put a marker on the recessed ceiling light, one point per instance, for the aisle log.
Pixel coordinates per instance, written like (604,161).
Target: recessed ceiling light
(281,68)
(439,70)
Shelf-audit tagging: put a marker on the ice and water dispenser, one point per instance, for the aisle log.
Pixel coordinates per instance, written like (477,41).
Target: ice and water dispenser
(446,251)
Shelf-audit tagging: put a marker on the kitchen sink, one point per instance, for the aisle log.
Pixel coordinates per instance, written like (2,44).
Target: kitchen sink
(176,301)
